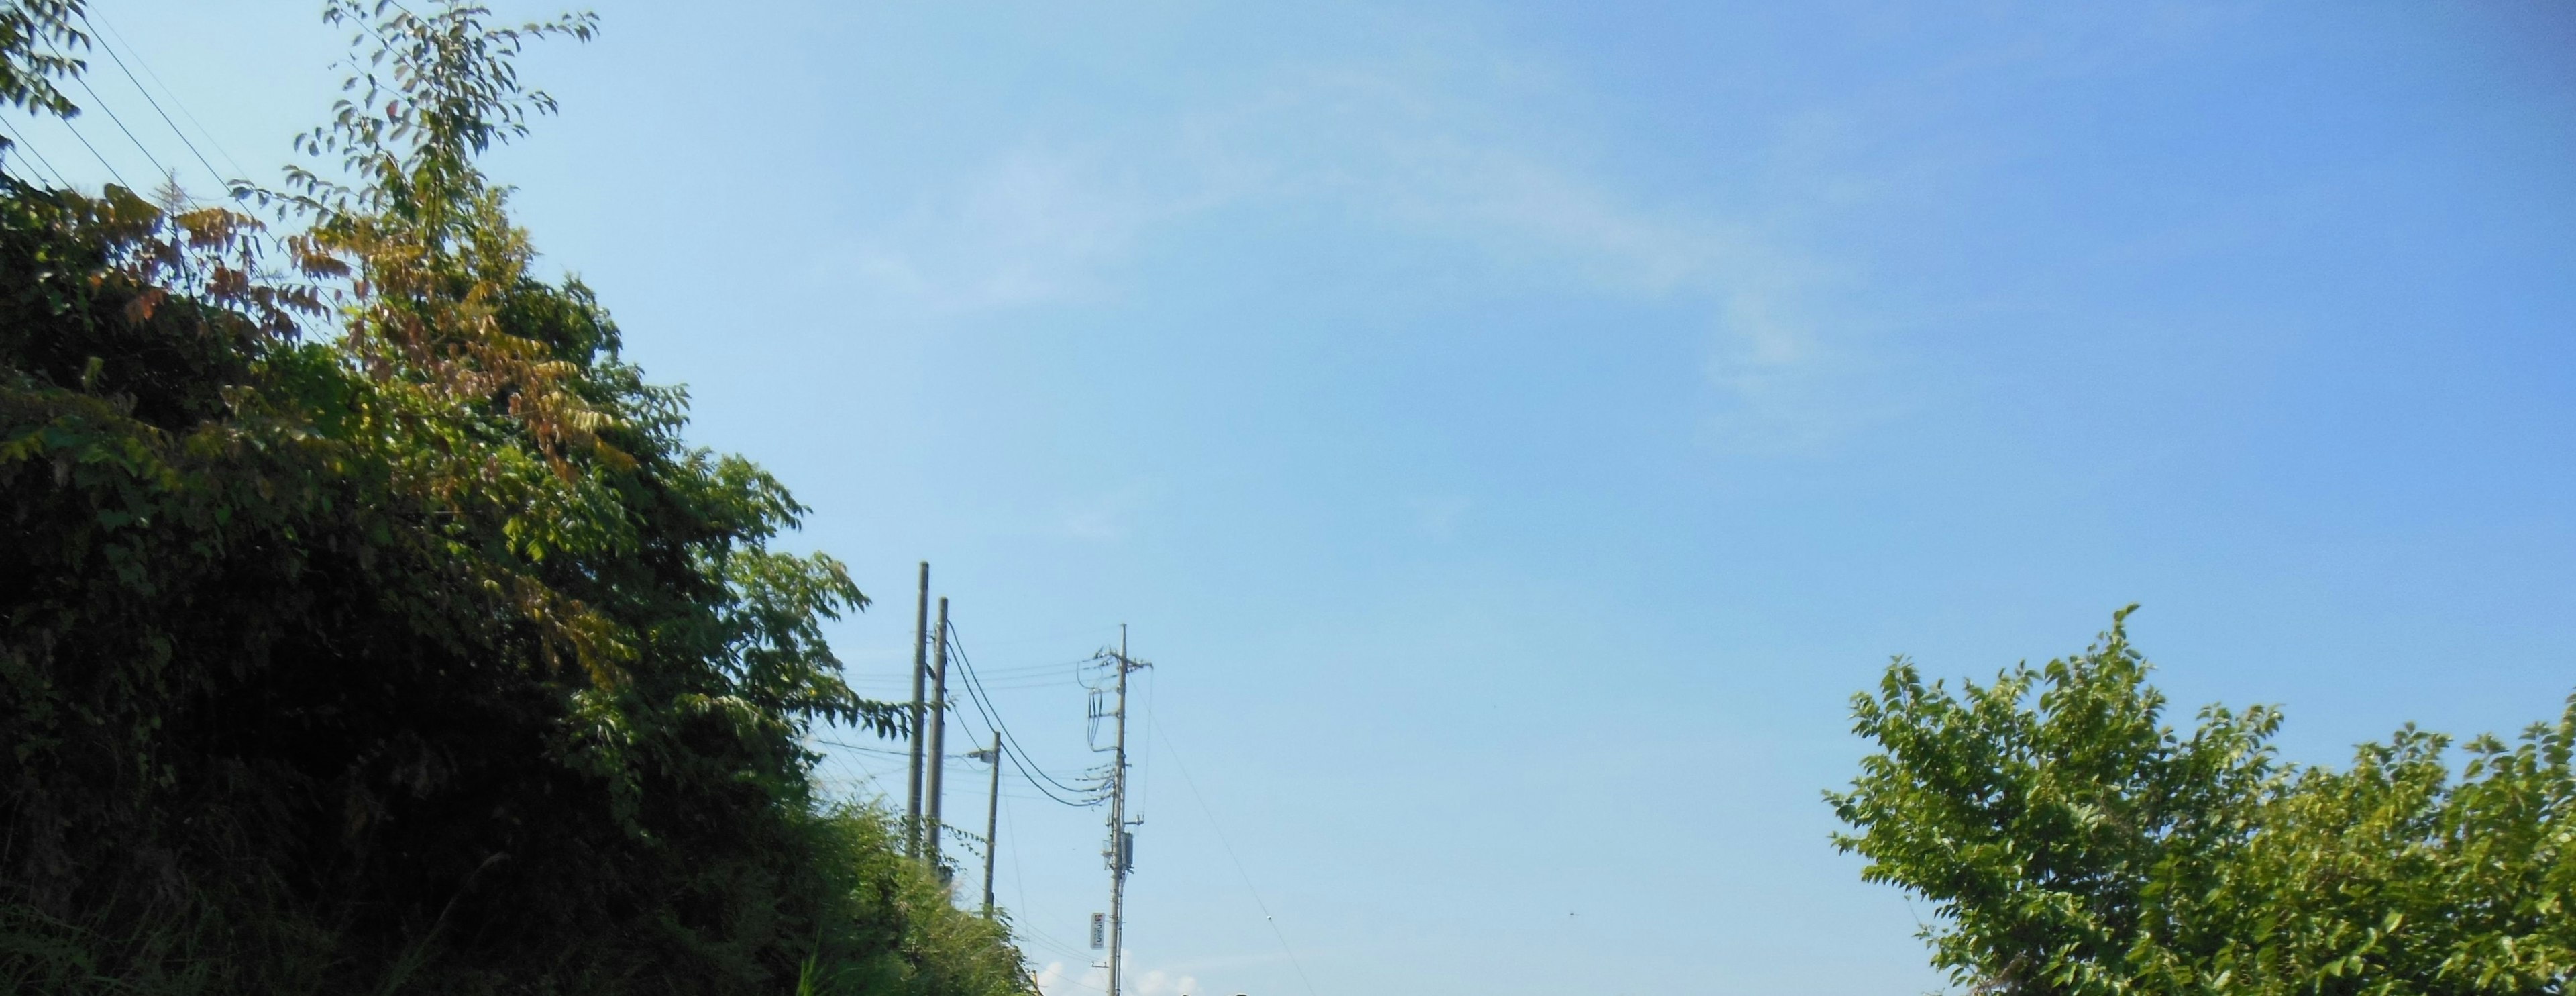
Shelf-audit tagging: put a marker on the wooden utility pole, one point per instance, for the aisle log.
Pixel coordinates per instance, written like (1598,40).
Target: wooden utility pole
(992,820)
(912,787)
(930,825)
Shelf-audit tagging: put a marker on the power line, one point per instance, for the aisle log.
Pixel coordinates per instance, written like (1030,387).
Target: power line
(209,133)
(1193,783)
(1051,941)
(1028,669)
(885,751)
(17,141)
(963,717)
(1018,682)
(93,153)
(213,173)
(864,776)
(1023,768)
(983,703)
(975,691)
(1145,778)
(120,126)
(1019,872)
(1046,637)
(850,763)
(1039,779)
(1021,676)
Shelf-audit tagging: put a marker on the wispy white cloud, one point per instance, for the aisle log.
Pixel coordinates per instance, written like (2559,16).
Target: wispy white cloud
(1053,980)
(1059,979)
(1420,150)
(1156,982)
(1107,517)
(1037,226)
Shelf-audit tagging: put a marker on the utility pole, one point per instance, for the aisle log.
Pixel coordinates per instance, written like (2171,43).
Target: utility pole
(992,820)
(1122,845)
(912,787)
(938,739)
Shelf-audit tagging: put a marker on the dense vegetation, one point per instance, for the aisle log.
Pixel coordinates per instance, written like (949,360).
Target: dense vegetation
(2074,843)
(370,627)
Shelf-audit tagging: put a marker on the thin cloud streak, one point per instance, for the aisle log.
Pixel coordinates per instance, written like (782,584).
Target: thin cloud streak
(1056,224)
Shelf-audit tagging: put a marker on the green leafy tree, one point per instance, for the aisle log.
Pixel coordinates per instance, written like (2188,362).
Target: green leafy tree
(371,626)
(34,37)
(2071,841)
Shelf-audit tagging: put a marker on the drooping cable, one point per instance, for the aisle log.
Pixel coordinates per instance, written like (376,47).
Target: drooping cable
(216,174)
(1239,871)
(845,745)
(1011,742)
(101,103)
(1083,803)
(182,105)
(48,172)
(93,153)
(1028,769)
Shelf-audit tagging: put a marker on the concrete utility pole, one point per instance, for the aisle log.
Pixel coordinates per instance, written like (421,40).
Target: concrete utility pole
(1122,845)
(992,820)
(938,739)
(912,787)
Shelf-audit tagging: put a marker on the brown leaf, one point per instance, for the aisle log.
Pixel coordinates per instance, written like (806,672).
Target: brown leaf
(139,310)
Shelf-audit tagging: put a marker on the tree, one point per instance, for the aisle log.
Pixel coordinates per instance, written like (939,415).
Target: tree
(422,651)
(2072,842)
(34,34)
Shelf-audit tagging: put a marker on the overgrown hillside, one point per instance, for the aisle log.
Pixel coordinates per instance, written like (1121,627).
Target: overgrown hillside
(371,627)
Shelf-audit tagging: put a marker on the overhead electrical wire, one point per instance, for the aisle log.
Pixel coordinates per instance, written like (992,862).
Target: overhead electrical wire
(1011,743)
(120,126)
(866,777)
(1145,773)
(1022,670)
(1037,776)
(1049,940)
(845,745)
(84,139)
(1193,783)
(93,153)
(1049,637)
(213,173)
(182,105)
(1019,871)
(965,723)
(1024,767)
(49,173)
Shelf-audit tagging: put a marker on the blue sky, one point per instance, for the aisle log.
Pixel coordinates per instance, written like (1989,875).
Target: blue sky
(1514,432)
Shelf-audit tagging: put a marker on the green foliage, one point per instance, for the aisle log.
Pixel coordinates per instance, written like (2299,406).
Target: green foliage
(2072,842)
(35,39)
(421,655)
